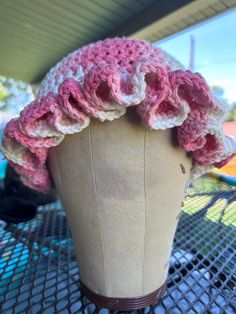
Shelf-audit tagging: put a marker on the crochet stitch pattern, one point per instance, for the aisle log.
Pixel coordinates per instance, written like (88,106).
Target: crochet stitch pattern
(100,81)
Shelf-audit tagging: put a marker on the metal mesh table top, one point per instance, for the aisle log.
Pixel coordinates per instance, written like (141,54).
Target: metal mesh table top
(39,272)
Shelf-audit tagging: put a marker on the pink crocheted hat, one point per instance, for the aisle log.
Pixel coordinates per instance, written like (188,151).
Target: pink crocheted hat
(100,81)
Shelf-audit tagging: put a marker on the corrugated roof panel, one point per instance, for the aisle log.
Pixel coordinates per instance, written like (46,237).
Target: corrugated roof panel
(34,23)
(186,16)
(180,24)
(80,10)
(218,6)
(146,2)
(132,5)
(50,29)
(111,7)
(50,14)
(199,16)
(190,20)
(229,3)
(75,13)
(208,11)
(18,40)
(99,10)
(66,19)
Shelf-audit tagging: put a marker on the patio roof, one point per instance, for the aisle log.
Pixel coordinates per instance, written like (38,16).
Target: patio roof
(36,34)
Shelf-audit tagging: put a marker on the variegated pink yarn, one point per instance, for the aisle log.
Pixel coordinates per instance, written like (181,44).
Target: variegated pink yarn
(101,80)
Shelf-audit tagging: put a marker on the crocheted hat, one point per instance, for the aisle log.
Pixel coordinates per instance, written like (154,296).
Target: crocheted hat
(100,81)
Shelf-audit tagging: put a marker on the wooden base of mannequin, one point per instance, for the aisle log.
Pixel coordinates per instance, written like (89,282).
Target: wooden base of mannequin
(124,304)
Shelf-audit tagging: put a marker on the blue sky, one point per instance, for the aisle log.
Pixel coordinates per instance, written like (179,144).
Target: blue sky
(215,51)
